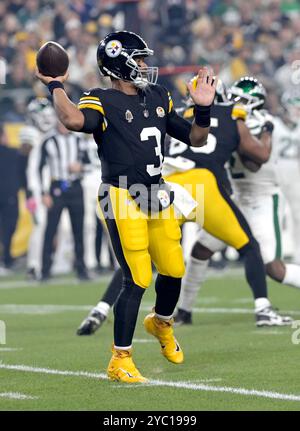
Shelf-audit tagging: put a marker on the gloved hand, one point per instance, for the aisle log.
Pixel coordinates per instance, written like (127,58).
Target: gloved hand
(259,121)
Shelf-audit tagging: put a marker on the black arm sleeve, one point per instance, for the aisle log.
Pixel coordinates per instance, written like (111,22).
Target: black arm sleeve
(43,157)
(23,163)
(92,120)
(178,127)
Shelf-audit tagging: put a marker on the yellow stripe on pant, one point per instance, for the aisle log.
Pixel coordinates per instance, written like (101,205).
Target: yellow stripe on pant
(137,239)
(222,218)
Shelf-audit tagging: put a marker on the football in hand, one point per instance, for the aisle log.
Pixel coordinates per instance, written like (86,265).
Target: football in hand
(52,60)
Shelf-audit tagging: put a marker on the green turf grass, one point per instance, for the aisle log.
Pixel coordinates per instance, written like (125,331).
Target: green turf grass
(221,349)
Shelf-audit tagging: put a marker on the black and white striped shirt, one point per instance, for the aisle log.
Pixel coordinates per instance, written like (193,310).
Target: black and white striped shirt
(59,151)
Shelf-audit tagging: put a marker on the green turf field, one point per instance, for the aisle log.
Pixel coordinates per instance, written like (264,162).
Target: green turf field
(229,364)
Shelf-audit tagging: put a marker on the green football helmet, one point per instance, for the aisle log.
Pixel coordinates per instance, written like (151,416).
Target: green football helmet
(249,92)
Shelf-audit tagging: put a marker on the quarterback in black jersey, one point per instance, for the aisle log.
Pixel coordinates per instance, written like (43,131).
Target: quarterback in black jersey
(221,218)
(129,123)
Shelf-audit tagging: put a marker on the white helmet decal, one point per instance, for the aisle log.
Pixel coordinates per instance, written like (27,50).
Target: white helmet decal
(113,48)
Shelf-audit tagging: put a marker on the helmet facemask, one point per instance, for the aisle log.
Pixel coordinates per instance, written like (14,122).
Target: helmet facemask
(237,95)
(118,56)
(247,92)
(141,76)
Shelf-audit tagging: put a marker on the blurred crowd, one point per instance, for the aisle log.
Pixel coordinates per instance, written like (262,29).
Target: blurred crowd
(259,38)
(236,37)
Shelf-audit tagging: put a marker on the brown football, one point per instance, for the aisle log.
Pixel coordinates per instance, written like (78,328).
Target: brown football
(52,59)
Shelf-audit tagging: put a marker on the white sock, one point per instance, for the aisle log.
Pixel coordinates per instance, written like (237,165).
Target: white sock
(165,318)
(195,275)
(292,275)
(102,307)
(261,303)
(122,348)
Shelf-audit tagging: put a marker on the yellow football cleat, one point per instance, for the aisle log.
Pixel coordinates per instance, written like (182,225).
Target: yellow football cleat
(163,331)
(121,368)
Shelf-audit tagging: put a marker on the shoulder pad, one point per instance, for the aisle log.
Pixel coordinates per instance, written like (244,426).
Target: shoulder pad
(29,135)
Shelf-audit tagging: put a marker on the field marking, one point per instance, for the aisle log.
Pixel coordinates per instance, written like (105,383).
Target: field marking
(10,349)
(243,301)
(16,396)
(5,283)
(208,380)
(29,369)
(40,309)
(260,331)
(143,340)
(225,310)
(20,284)
(208,300)
(180,385)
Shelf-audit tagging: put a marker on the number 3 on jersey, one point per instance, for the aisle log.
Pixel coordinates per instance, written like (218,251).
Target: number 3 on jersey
(146,133)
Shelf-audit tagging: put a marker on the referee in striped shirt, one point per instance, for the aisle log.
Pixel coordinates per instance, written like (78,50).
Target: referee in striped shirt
(67,157)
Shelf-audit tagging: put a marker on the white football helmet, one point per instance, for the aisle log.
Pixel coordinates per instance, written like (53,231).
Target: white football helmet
(249,92)
(291,102)
(41,114)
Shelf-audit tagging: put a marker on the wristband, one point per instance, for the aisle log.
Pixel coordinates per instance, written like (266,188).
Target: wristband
(202,116)
(54,84)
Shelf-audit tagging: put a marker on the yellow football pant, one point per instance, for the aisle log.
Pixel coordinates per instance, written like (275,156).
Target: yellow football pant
(137,239)
(222,218)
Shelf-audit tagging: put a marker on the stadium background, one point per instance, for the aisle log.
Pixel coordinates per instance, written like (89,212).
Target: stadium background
(227,358)
(260,38)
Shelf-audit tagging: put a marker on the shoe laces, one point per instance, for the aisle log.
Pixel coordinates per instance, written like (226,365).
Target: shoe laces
(273,312)
(97,315)
(122,354)
(163,323)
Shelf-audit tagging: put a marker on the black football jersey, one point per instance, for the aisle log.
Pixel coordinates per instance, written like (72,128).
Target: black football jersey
(130,132)
(223,140)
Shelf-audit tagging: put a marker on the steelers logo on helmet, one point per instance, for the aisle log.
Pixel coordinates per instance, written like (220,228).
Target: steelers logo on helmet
(113,48)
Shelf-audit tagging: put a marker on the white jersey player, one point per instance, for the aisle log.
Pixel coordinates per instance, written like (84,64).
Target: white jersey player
(259,196)
(286,143)
(40,120)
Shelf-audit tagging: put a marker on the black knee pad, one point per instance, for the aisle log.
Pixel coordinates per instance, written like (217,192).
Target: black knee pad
(200,252)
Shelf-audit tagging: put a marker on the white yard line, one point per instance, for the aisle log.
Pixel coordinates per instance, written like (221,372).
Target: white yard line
(16,396)
(28,369)
(143,340)
(19,284)
(41,308)
(10,349)
(260,331)
(58,308)
(225,310)
(179,385)
(69,281)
